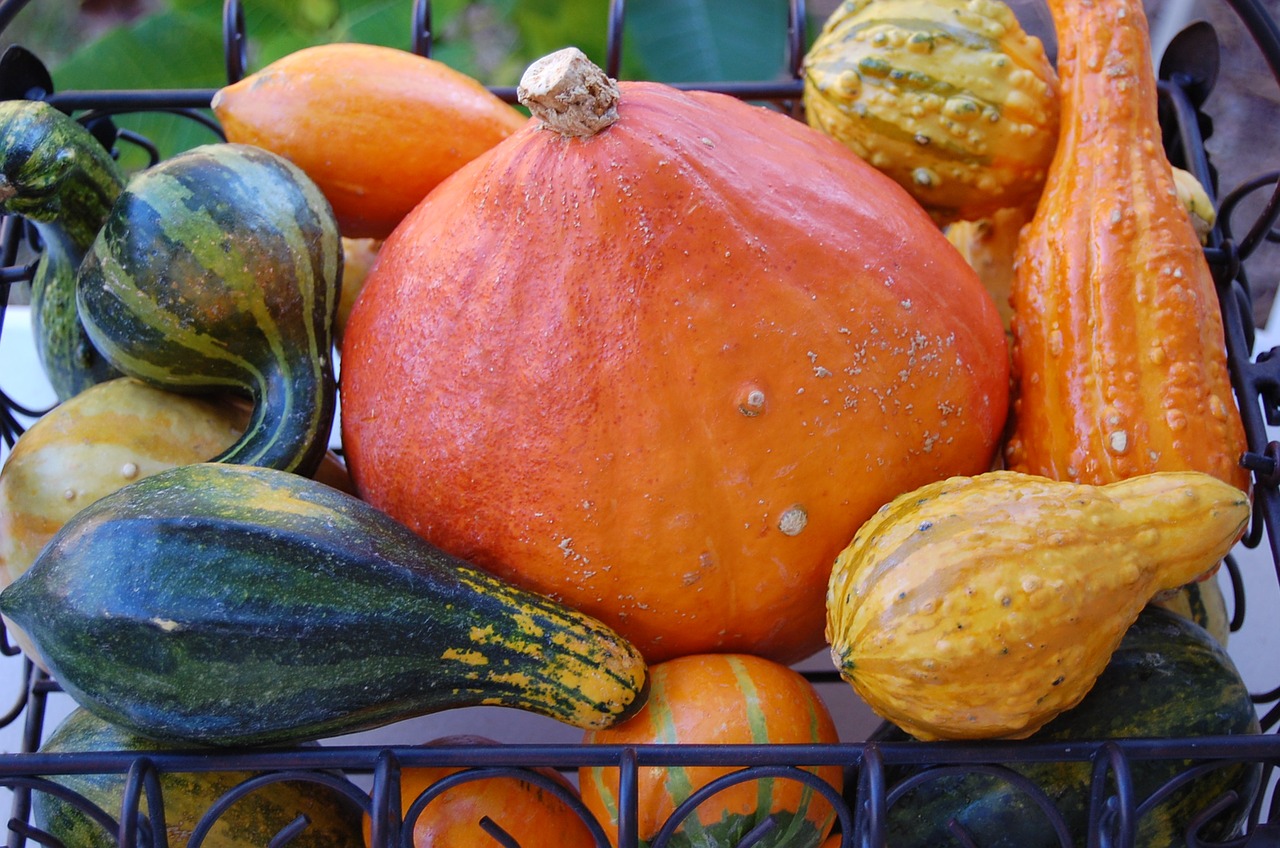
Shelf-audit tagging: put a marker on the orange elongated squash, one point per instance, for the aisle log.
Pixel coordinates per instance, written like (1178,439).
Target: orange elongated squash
(1117,337)
(375,127)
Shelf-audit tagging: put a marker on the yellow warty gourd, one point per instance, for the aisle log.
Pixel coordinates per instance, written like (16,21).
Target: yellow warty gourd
(950,98)
(982,607)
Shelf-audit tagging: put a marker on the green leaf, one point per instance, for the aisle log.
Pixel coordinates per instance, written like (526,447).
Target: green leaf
(171,50)
(180,45)
(708,40)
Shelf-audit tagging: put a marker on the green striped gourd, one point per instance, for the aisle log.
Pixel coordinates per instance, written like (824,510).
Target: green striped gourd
(951,98)
(56,175)
(103,438)
(1168,679)
(333,819)
(219,269)
(229,604)
(1204,603)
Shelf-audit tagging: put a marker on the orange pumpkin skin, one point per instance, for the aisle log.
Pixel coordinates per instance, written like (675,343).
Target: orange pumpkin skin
(534,816)
(713,699)
(664,372)
(1118,343)
(374,127)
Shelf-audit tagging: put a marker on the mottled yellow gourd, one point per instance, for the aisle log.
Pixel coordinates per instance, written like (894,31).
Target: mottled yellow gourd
(982,607)
(950,98)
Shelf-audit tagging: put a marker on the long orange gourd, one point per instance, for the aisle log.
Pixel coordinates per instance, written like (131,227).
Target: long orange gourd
(1118,342)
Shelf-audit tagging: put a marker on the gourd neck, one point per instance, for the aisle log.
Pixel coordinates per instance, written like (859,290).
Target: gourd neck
(293,412)
(569,94)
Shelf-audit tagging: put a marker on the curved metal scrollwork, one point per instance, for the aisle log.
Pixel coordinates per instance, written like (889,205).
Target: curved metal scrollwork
(748,774)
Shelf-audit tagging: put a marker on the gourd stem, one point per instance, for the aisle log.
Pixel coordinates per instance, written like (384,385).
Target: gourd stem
(569,94)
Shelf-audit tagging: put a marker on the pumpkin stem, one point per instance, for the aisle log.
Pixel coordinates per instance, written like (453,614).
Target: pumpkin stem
(568,93)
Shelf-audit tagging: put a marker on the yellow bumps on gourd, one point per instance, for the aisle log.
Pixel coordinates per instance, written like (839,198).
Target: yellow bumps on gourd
(982,607)
(950,98)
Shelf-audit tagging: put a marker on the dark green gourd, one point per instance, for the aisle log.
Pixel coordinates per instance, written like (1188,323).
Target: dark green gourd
(1169,678)
(227,604)
(56,175)
(219,270)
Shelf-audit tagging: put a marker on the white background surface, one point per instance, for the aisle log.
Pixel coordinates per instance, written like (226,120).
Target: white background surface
(1254,648)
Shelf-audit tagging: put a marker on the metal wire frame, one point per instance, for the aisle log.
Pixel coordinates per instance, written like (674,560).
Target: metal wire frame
(861,811)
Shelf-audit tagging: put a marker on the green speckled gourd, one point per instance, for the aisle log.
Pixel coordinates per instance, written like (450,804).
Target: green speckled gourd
(951,98)
(56,175)
(229,604)
(333,819)
(219,269)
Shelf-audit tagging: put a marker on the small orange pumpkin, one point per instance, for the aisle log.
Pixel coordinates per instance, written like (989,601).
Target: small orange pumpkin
(533,815)
(374,127)
(663,371)
(721,699)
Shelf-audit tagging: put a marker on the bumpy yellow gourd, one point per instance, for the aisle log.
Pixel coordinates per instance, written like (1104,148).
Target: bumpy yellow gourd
(982,607)
(1191,194)
(951,98)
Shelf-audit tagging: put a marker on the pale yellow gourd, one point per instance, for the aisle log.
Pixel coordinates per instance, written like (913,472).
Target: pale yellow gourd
(982,607)
(1192,195)
(988,244)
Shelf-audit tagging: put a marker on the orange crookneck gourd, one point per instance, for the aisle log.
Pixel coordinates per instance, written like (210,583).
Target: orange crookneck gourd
(1118,342)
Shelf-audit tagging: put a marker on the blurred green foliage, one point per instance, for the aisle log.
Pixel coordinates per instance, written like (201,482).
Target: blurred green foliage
(180,43)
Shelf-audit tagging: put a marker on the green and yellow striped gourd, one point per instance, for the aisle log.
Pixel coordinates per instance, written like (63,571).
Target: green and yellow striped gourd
(333,819)
(951,98)
(57,176)
(222,604)
(220,270)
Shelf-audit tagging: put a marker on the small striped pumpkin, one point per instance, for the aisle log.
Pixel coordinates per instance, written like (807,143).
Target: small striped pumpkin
(720,699)
(219,270)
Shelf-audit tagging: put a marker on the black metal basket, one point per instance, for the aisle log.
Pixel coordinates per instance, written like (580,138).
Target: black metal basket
(369,774)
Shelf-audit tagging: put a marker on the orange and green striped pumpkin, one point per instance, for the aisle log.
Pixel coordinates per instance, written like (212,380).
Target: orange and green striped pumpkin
(720,699)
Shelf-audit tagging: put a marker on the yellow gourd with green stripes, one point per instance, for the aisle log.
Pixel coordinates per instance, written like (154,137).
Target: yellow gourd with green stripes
(951,98)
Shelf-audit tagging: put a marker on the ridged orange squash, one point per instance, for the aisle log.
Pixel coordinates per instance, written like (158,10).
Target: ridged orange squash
(664,370)
(721,699)
(374,127)
(1117,336)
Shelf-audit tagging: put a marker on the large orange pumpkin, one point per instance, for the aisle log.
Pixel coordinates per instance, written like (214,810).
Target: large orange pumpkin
(664,371)
(720,699)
